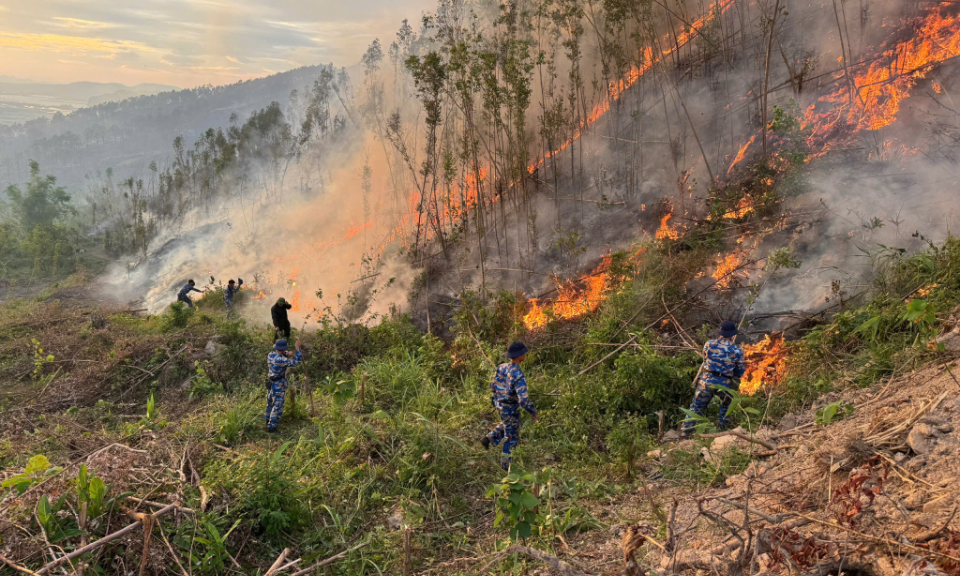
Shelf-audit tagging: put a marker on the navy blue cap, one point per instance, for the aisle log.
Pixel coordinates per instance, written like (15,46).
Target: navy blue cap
(728,329)
(516,350)
(281,344)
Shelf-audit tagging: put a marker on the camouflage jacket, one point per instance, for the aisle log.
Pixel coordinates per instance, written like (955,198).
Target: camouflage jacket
(723,362)
(277,365)
(510,387)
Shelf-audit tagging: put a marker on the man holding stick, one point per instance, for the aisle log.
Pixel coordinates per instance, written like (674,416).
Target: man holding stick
(277,363)
(723,363)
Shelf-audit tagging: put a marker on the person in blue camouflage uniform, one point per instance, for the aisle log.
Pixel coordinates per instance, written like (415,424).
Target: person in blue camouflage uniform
(723,364)
(509,389)
(228,294)
(277,363)
(184,294)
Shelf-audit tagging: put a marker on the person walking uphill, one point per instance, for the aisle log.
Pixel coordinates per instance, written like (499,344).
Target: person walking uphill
(184,295)
(509,389)
(277,363)
(280,321)
(723,362)
(228,294)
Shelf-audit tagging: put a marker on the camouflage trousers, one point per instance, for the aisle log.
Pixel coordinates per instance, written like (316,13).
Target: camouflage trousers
(275,399)
(705,393)
(507,431)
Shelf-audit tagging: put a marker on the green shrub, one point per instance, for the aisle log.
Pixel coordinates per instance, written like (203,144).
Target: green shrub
(265,488)
(177,317)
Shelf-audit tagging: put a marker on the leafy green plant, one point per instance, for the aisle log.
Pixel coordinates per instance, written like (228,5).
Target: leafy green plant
(36,469)
(266,488)
(177,317)
(833,411)
(202,384)
(39,360)
(90,492)
(702,424)
(341,389)
(213,555)
(56,527)
(516,505)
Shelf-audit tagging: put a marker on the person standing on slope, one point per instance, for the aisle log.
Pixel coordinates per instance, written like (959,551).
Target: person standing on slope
(509,389)
(723,363)
(184,295)
(228,293)
(281,323)
(277,363)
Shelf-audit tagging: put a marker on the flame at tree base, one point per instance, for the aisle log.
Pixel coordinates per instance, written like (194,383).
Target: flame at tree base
(766,364)
(572,302)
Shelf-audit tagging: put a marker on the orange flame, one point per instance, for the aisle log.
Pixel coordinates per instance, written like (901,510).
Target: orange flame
(726,271)
(874,99)
(355,230)
(766,364)
(295,301)
(744,207)
(666,232)
(741,154)
(572,302)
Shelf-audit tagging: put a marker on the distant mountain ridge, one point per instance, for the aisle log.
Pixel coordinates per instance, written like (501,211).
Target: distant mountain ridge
(128,134)
(81,91)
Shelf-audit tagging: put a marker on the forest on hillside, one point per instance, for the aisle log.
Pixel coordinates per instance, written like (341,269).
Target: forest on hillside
(603,180)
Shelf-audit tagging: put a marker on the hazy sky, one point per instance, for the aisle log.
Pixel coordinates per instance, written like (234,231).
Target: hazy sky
(189,42)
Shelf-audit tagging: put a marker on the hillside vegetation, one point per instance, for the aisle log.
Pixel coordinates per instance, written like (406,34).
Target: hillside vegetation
(378,454)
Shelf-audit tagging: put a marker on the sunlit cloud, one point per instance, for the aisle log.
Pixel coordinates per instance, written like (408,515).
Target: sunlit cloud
(188,42)
(57,43)
(78,24)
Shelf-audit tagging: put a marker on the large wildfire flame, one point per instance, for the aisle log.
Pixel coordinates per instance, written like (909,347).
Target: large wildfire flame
(766,364)
(870,97)
(572,302)
(873,99)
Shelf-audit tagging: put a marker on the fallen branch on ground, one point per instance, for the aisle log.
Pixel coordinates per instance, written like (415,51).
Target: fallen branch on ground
(105,540)
(329,560)
(15,566)
(276,564)
(160,505)
(931,534)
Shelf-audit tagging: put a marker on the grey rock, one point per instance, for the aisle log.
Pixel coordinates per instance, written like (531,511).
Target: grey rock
(214,347)
(671,435)
(922,438)
(395,520)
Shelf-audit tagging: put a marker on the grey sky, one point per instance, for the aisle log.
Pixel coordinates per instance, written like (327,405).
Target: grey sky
(189,42)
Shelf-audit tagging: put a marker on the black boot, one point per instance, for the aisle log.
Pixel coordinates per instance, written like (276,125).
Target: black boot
(485,442)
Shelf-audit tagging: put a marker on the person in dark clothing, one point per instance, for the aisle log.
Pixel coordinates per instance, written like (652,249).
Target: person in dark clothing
(229,292)
(281,323)
(183,296)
